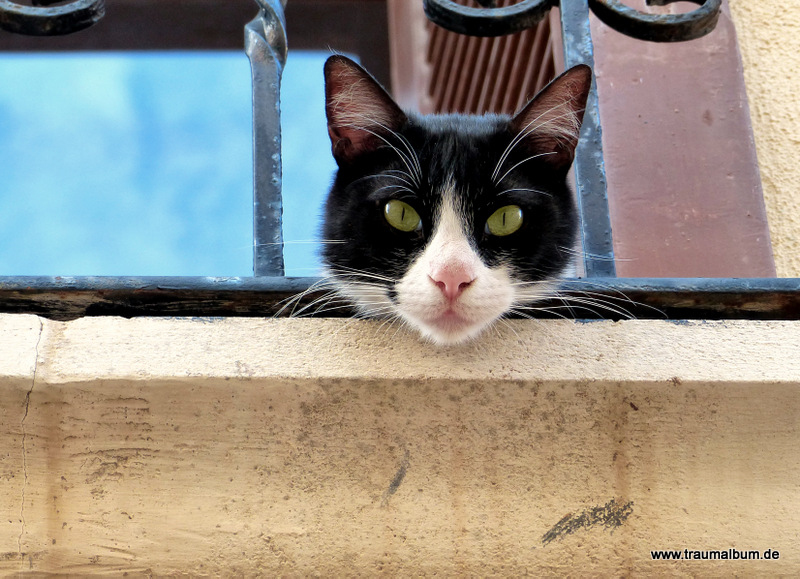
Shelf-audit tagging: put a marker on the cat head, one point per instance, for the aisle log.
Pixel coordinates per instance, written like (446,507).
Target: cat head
(448,222)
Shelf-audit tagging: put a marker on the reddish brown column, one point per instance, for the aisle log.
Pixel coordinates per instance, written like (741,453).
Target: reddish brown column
(683,182)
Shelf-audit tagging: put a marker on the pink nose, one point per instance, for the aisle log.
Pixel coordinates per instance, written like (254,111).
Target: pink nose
(452,280)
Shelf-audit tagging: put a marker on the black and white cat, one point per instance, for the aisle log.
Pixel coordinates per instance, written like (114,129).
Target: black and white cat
(448,222)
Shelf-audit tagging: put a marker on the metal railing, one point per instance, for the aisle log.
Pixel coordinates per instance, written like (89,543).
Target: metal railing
(266,46)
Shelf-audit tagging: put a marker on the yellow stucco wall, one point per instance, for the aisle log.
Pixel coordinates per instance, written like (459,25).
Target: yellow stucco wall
(769,40)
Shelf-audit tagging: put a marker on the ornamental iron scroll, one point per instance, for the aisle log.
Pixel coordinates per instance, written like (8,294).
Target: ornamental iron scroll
(41,20)
(488,21)
(499,21)
(659,27)
(266,47)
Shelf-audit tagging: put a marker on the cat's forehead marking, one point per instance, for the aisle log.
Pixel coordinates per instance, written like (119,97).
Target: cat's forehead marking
(450,222)
(449,243)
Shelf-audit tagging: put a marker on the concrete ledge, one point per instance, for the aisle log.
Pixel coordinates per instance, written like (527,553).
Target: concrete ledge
(632,351)
(248,446)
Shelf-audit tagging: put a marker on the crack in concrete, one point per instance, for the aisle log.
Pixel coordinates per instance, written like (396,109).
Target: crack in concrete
(24,442)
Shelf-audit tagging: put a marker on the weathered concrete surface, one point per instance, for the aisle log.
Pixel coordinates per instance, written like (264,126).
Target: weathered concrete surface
(294,447)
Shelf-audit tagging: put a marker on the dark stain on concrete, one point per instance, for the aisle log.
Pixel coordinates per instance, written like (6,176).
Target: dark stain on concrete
(610,516)
(398,478)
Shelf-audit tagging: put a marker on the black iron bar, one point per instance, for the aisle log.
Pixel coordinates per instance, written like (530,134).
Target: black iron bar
(265,44)
(590,173)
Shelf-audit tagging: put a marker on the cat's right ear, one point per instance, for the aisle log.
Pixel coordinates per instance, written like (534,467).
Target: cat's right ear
(550,124)
(361,115)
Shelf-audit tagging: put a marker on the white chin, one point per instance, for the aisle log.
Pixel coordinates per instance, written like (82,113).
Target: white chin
(449,331)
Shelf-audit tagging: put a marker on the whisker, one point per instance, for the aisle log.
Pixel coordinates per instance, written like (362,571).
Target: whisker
(595,256)
(508,325)
(412,154)
(525,132)
(401,325)
(294,301)
(301,241)
(391,321)
(524,189)
(319,303)
(342,271)
(410,159)
(407,161)
(618,294)
(500,180)
(411,183)
(619,310)
(386,175)
(517,311)
(399,187)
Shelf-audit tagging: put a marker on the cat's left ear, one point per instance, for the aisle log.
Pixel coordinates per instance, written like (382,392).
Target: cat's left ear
(361,115)
(551,122)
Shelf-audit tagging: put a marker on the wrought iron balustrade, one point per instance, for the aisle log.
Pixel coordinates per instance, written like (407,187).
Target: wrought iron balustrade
(266,46)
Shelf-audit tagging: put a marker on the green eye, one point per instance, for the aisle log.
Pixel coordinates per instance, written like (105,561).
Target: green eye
(402,216)
(504,221)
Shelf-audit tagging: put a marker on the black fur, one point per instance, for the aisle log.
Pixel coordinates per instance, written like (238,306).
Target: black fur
(468,148)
